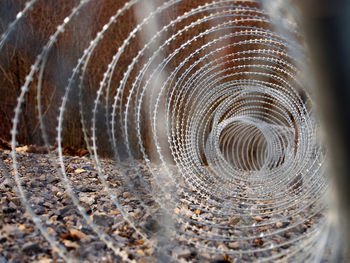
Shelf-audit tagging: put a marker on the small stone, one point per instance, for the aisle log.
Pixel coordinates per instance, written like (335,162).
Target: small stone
(207,215)
(133,214)
(176,210)
(12,205)
(87,198)
(35,184)
(52,179)
(22,149)
(103,220)
(79,171)
(99,245)
(285,224)
(55,189)
(234,245)
(287,234)
(220,259)
(13,230)
(37,200)
(50,230)
(126,195)
(86,188)
(79,234)
(257,218)
(45,260)
(198,212)
(39,210)
(298,229)
(258,242)
(70,244)
(151,225)
(279,224)
(282,224)
(88,167)
(7,182)
(31,247)
(234,221)
(65,210)
(181,252)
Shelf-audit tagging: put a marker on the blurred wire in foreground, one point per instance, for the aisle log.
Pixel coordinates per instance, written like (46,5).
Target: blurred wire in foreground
(327,25)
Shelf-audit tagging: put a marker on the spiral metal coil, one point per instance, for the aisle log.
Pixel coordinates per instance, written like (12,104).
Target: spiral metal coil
(211,119)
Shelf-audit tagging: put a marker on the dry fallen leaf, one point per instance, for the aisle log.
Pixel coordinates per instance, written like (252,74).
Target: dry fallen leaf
(133,214)
(22,149)
(115,212)
(140,242)
(45,260)
(257,218)
(74,235)
(226,258)
(79,234)
(69,169)
(279,224)
(79,171)
(70,244)
(258,242)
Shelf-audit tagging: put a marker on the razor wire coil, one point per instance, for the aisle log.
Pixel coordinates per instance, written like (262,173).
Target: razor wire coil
(215,107)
